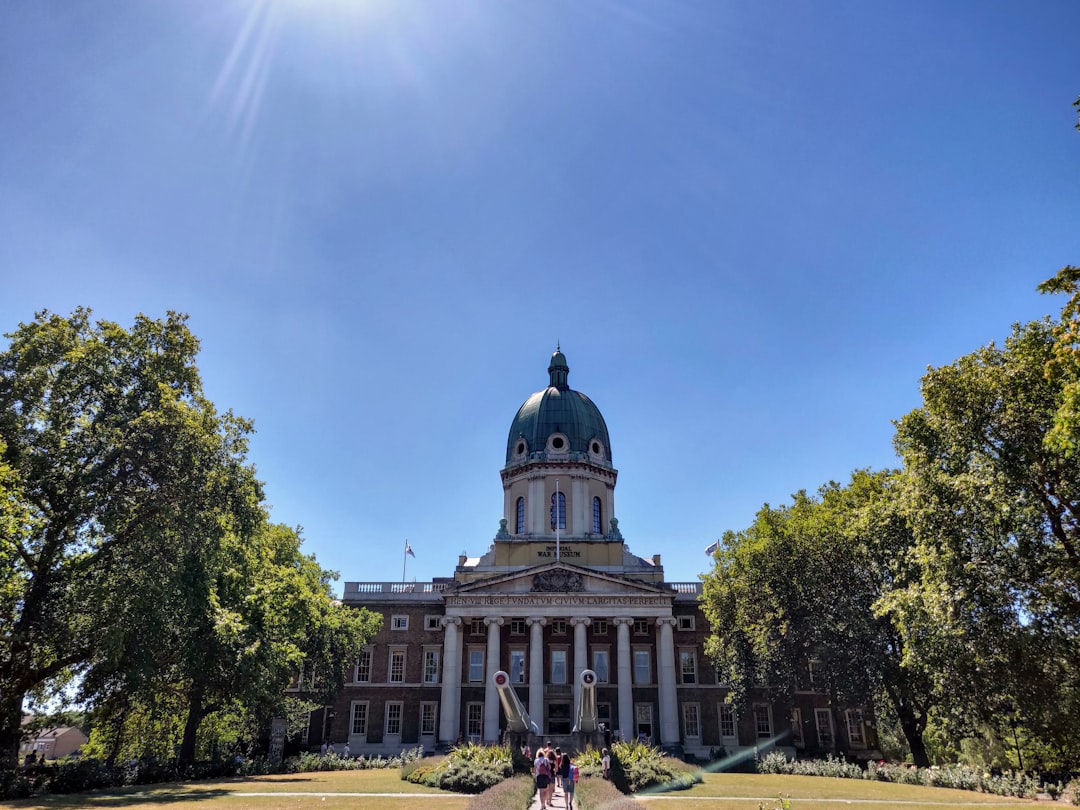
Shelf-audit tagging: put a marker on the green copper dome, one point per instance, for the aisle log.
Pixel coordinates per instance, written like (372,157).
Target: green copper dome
(551,419)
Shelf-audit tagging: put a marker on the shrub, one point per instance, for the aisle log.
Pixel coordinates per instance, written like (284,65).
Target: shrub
(509,794)
(599,794)
(636,767)
(469,768)
(1074,791)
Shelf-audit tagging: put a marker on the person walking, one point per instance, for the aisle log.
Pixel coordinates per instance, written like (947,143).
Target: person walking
(605,760)
(563,769)
(572,776)
(542,774)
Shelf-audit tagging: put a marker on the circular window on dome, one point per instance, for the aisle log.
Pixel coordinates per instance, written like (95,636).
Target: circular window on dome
(520,448)
(558,444)
(596,449)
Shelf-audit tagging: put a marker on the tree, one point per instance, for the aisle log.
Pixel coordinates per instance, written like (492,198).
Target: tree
(140,554)
(1064,436)
(806,581)
(995,511)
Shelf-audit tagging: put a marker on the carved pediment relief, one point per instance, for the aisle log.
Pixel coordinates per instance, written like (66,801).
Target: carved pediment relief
(558,578)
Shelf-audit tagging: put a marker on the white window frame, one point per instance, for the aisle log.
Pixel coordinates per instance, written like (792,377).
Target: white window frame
(523,675)
(603,674)
(798,739)
(399,714)
(365,657)
(688,654)
(828,724)
(726,715)
(433,622)
(353,707)
(432,708)
(560,655)
(476,656)
(691,721)
(558,627)
(856,736)
(427,675)
(641,627)
(763,711)
(476,627)
(517,626)
(394,653)
(685,622)
(599,627)
(640,678)
(474,719)
(399,621)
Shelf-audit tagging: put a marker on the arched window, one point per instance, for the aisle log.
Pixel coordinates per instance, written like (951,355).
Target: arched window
(520,523)
(558,510)
(597,521)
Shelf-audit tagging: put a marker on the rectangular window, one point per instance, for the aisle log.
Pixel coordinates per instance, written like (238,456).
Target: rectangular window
(359,719)
(728,727)
(363,667)
(393,719)
(691,714)
(558,666)
(643,729)
(796,729)
(854,728)
(431,666)
(686,622)
(399,622)
(688,666)
(603,714)
(641,627)
(642,670)
(815,675)
(433,622)
(517,627)
(600,666)
(476,627)
(427,719)
(476,666)
(474,721)
(558,627)
(599,627)
(763,721)
(397,666)
(823,721)
(517,666)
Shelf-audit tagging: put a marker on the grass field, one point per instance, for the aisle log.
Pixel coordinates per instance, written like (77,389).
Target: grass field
(375,790)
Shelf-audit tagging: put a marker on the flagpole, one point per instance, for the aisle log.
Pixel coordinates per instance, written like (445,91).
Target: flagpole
(404,559)
(558,515)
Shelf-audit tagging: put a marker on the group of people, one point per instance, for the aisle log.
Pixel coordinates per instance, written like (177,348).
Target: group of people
(328,749)
(554,770)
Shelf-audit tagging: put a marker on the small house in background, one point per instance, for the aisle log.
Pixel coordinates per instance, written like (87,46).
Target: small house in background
(52,743)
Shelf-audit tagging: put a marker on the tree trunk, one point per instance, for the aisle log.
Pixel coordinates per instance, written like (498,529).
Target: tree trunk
(10,730)
(913,726)
(196,712)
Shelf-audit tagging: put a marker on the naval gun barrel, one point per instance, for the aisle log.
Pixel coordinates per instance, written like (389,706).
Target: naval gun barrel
(586,717)
(517,719)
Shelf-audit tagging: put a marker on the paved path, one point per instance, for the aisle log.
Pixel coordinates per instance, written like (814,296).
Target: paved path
(558,802)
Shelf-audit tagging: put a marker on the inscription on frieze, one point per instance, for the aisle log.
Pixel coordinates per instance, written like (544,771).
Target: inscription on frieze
(582,600)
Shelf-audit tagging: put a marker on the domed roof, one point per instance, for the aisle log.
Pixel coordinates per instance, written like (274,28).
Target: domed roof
(558,411)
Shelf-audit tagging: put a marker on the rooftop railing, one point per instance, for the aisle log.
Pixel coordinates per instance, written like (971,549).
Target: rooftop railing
(400,589)
(686,587)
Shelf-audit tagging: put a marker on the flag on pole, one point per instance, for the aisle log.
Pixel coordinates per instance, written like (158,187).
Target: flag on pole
(408,550)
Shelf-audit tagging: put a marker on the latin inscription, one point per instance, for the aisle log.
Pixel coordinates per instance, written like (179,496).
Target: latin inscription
(576,599)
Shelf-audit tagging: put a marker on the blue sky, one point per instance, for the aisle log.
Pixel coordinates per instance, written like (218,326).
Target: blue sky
(752,226)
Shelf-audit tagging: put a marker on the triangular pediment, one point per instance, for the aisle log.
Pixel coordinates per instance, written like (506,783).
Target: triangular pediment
(559,578)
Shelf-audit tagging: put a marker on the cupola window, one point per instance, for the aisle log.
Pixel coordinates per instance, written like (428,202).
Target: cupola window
(597,516)
(519,524)
(558,511)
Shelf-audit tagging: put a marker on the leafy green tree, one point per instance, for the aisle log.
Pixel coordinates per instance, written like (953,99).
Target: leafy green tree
(136,549)
(995,510)
(1064,436)
(805,581)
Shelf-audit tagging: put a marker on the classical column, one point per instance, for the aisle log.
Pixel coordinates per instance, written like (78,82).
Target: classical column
(450,711)
(665,676)
(581,657)
(491,697)
(536,670)
(624,672)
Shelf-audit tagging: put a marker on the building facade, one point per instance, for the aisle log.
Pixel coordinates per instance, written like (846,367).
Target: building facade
(557,592)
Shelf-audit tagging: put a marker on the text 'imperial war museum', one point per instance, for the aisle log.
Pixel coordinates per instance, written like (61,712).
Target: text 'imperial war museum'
(558,593)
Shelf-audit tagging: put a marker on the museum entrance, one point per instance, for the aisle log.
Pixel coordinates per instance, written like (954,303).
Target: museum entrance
(558,718)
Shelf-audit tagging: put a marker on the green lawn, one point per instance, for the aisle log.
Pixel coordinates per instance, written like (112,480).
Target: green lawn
(739,791)
(331,791)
